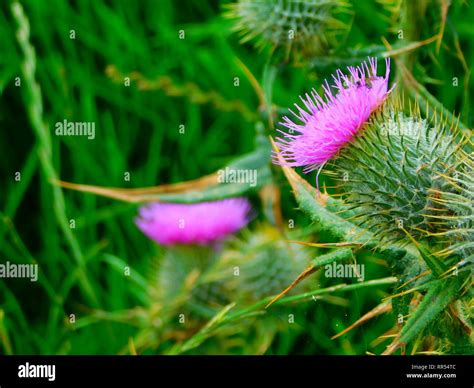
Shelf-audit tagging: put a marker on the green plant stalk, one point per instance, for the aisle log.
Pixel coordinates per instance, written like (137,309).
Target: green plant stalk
(35,113)
(338,288)
(412,12)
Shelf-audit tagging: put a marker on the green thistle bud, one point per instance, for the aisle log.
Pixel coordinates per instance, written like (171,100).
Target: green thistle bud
(309,27)
(266,264)
(177,278)
(390,170)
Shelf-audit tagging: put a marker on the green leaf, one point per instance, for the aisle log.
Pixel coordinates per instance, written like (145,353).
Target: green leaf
(313,203)
(338,288)
(328,258)
(441,293)
(437,266)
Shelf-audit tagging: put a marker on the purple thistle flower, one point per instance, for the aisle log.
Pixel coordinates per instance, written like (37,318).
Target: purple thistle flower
(328,124)
(198,223)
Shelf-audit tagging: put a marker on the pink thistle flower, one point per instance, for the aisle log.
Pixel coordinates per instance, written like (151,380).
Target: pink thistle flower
(199,223)
(328,124)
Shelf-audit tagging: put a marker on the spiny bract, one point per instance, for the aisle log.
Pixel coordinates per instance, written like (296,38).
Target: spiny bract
(387,174)
(453,209)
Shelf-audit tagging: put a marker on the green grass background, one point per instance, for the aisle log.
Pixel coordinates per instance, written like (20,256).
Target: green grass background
(137,131)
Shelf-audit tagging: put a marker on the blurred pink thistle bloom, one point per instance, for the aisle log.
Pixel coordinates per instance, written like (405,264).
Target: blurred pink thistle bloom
(329,123)
(199,223)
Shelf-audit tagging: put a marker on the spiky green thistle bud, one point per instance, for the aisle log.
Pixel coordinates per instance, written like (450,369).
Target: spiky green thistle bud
(177,278)
(263,264)
(389,171)
(309,27)
(408,179)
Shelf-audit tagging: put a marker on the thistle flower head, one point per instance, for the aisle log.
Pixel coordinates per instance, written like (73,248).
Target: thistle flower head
(329,123)
(199,223)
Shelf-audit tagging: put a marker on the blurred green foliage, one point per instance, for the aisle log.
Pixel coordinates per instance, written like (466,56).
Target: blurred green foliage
(188,82)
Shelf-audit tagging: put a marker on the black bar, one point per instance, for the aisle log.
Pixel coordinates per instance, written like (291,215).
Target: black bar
(159,371)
